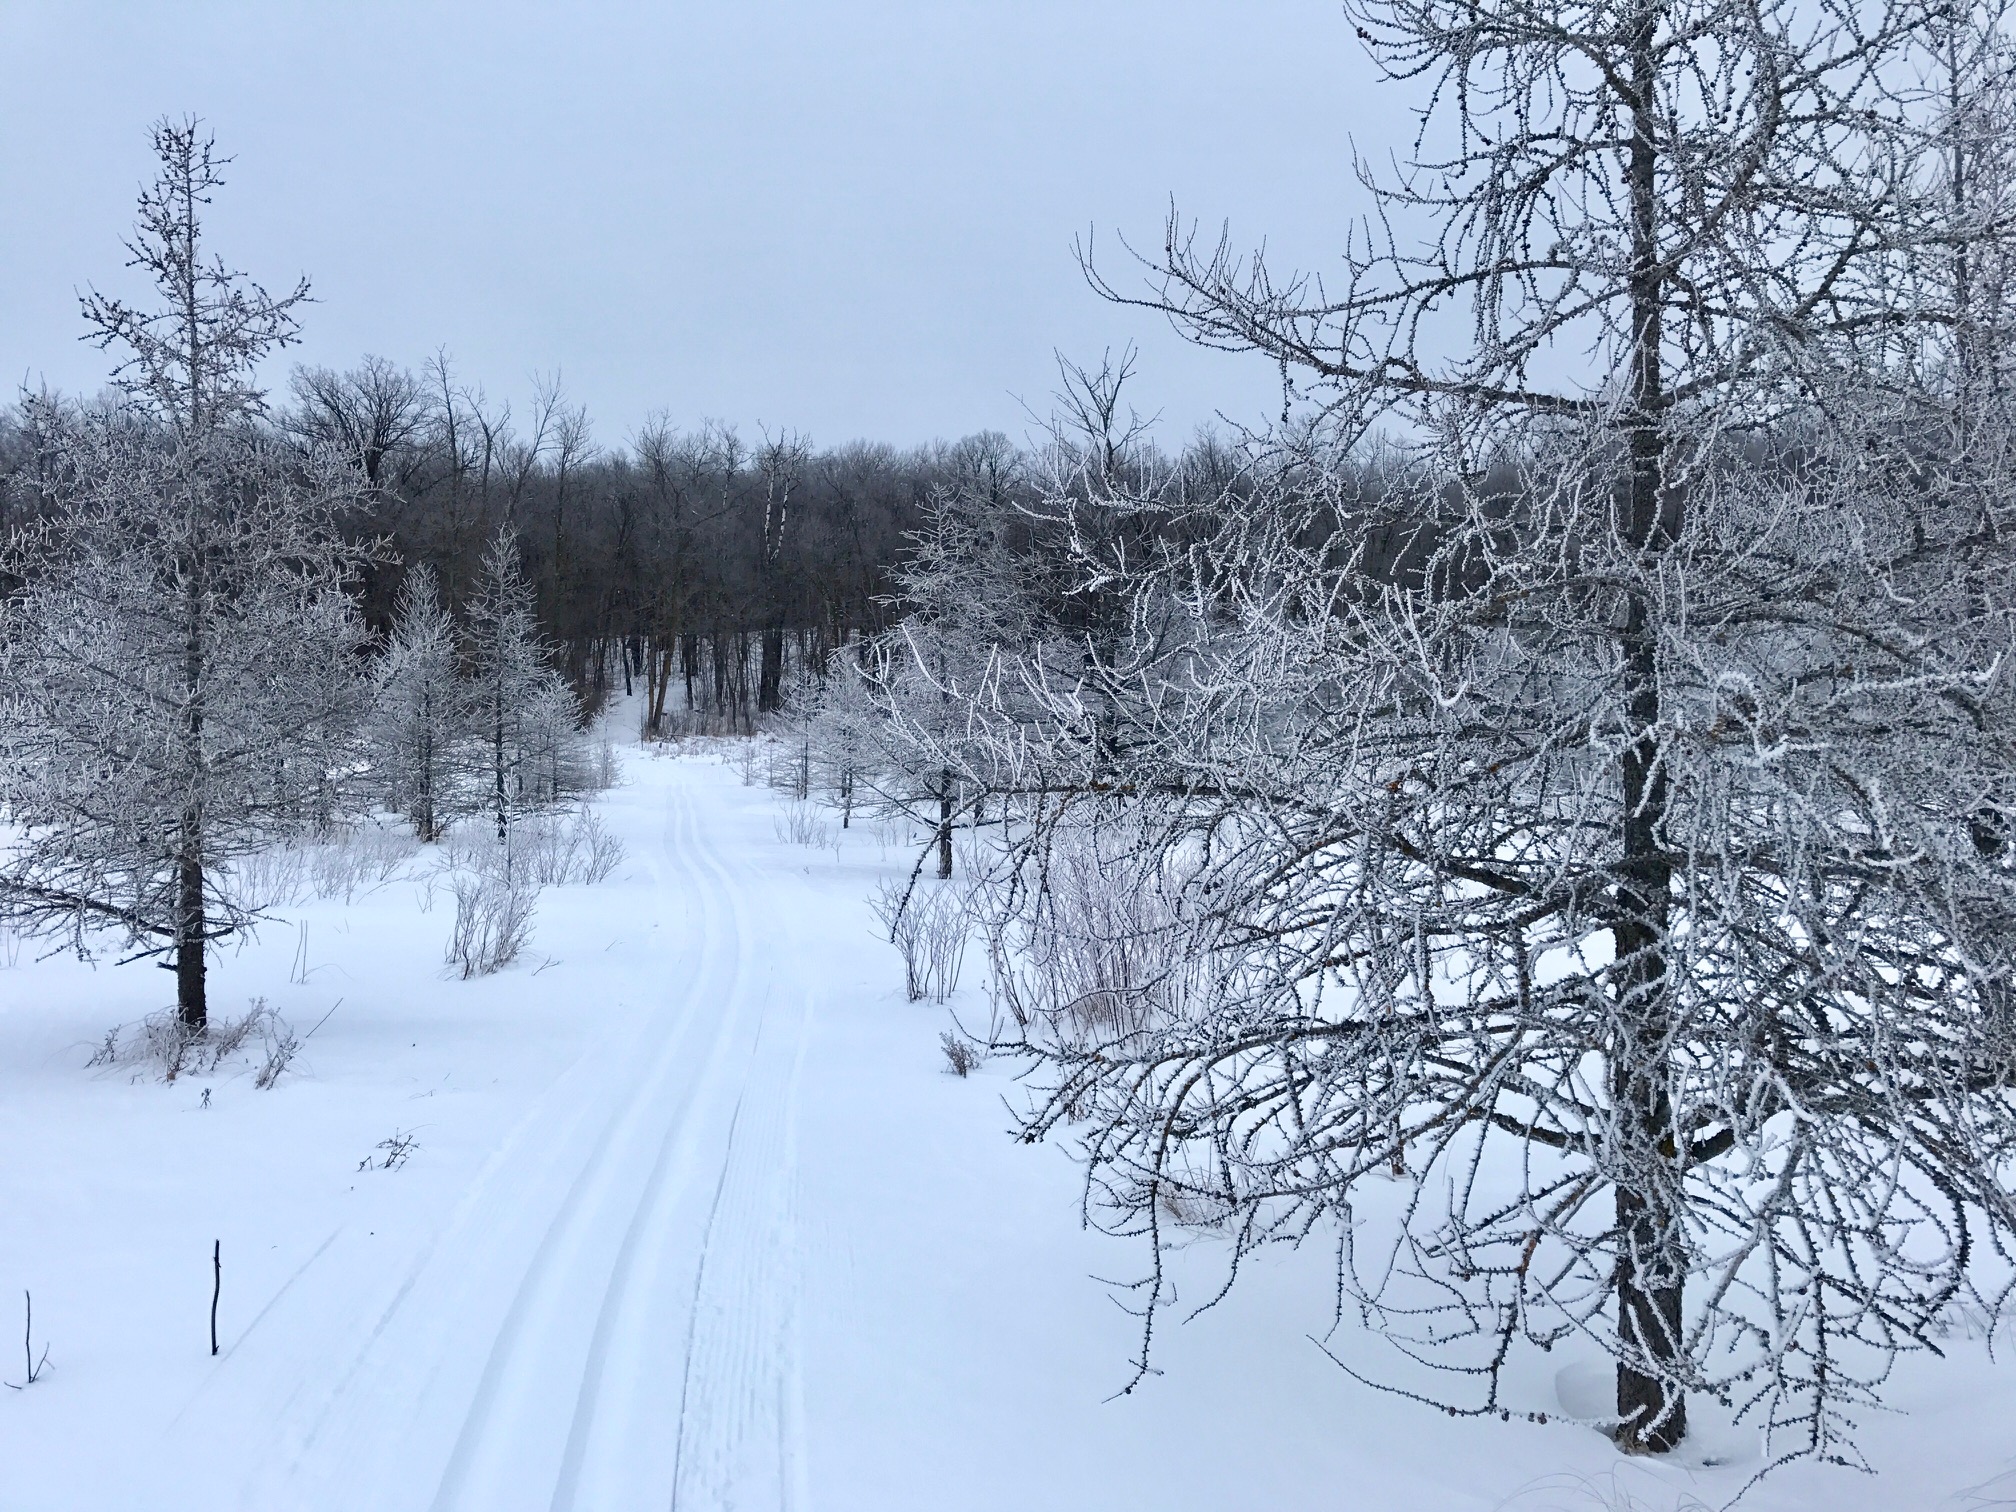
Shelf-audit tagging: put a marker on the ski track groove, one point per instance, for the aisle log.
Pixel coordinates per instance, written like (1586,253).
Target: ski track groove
(738,1417)
(530,1355)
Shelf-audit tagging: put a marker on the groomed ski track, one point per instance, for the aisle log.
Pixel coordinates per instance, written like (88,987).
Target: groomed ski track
(606,1320)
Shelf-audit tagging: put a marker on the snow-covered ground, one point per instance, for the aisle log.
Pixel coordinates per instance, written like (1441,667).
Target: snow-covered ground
(693,1217)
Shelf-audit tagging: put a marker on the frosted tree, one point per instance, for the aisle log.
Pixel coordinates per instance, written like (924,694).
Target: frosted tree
(965,598)
(420,709)
(843,743)
(556,760)
(1623,862)
(1013,592)
(179,653)
(521,713)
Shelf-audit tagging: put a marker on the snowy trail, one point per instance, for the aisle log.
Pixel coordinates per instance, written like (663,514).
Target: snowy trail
(698,1220)
(607,1315)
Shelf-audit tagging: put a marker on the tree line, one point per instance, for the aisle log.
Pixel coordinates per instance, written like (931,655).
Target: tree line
(709,570)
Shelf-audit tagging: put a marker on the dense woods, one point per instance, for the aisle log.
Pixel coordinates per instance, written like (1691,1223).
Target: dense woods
(708,568)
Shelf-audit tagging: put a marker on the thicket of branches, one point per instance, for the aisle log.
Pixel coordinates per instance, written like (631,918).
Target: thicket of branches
(1550,801)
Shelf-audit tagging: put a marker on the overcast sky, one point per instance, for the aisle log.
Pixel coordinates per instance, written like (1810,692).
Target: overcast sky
(849,217)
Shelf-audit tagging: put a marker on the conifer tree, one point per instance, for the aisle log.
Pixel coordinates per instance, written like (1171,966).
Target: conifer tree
(420,708)
(180,653)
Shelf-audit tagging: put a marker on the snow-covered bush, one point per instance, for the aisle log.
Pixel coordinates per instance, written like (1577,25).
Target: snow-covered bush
(961,1054)
(493,920)
(279,1044)
(496,884)
(356,860)
(800,824)
(550,850)
(928,923)
(163,1045)
(270,878)
(1086,943)
(607,772)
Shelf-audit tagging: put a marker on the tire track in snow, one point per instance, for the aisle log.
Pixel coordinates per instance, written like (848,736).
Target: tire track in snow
(619,1453)
(630,1245)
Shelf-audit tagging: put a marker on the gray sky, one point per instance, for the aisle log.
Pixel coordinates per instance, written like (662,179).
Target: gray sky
(851,217)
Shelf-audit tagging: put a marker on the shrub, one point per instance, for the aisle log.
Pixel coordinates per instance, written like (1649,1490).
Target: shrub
(493,919)
(928,924)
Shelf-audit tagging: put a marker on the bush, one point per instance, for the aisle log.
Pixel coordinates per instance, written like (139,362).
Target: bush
(961,1054)
(606,772)
(800,824)
(493,919)
(552,852)
(928,924)
(358,860)
(171,1049)
(1096,949)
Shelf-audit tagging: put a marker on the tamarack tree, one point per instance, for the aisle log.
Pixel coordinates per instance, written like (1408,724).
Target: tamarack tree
(179,648)
(522,714)
(420,709)
(1597,814)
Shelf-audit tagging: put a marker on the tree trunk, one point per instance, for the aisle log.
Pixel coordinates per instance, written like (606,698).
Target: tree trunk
(1651,1284)
(191,1003)
(500,795)
(1651,1258)
(945,825)
(770,677)
(423,797)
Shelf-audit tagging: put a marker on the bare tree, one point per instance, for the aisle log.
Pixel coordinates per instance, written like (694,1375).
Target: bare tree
(780,463)
(370,413)
(1624,858)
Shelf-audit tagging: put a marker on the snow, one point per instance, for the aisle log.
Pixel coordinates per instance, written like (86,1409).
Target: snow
(694,1217)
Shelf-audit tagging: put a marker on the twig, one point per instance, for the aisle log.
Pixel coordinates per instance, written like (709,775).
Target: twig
(217,1284)
(35,1366)
(322,1020)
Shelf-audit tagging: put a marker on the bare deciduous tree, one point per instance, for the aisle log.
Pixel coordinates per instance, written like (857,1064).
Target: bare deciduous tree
(1623,855)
